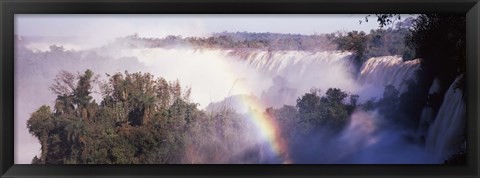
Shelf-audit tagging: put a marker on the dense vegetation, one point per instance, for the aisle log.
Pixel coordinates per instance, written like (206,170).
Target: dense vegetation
(140,120)
(379,42)
(440,41)
(143,119)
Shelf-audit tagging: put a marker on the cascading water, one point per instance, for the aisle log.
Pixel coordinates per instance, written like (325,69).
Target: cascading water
(276,78)
(294,62)
(271,74)
(428,113)
(388,70)
(296,72)
(445,134)
(278,73)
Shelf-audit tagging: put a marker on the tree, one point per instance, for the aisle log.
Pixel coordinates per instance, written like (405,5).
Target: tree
(73,94)
(140,117)
(384,19)
(40,125)
(439,39)
(335,96)
(82,92)
(336,110)
(64,83)
(308,103)
(315,111)
(389,104)
(353,100)
(288,119)
(354,41)
(64,105)
(163,94)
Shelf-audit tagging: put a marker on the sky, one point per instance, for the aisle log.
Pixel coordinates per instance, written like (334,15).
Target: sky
(160,25)
(98,30)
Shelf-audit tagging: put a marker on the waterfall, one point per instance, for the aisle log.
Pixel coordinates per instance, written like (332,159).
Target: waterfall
(294,62)
(297,71)
(302,70)
(445,134)
(294,73)
(428,113)
(388,70)
(221,78)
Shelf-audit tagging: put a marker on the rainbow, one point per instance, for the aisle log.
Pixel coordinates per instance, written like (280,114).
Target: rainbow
(266,125)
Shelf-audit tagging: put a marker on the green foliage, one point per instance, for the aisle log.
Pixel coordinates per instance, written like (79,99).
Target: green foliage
(353,41)
(379,42)
(387,42)
(40,121)
(118,130)
(403,109)
(235,40)
(146,120)
(440,40)
(316,111)
(40,124)
(385,19)
(141,119)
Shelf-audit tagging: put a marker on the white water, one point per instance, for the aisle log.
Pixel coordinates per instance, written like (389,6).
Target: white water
(445,134)
(276,78)
(427,115)
(294,73)
(388,70)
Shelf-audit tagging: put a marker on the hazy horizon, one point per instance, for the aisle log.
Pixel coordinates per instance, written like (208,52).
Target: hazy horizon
(186,25)
(221,75)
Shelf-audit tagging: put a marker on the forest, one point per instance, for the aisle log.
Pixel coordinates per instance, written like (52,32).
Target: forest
(146,119)
(143,119)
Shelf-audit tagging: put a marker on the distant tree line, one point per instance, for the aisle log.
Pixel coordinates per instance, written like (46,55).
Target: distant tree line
(235,40)
(380,42)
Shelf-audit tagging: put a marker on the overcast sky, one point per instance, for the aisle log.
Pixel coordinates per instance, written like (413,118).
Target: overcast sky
(185,25)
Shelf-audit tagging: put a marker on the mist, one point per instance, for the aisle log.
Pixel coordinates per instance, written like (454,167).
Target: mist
(367,139)
(219,79)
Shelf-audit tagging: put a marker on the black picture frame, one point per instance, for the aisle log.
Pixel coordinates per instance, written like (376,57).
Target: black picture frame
(8,8)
